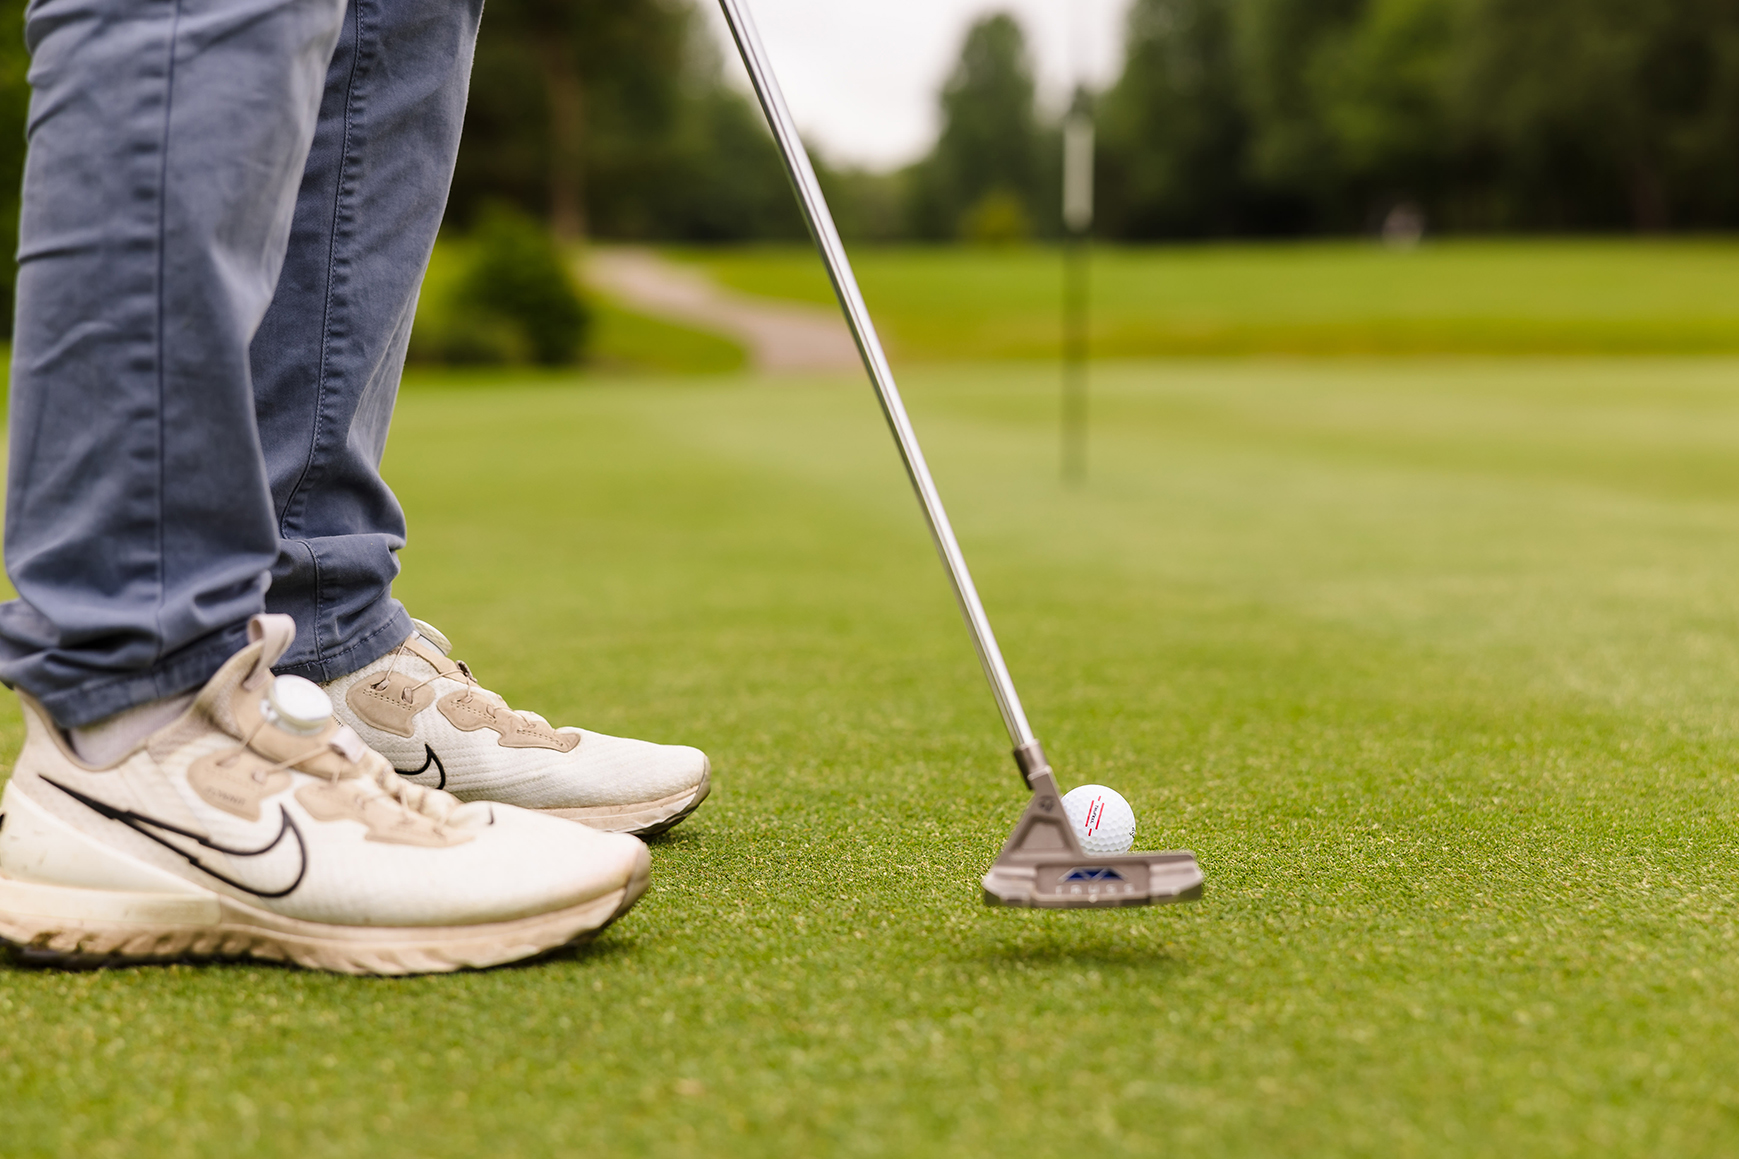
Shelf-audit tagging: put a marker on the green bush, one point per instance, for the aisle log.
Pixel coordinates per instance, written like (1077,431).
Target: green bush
(503,295)
(999,218)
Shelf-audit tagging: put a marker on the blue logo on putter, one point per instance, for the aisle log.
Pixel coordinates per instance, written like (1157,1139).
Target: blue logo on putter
(1093,873)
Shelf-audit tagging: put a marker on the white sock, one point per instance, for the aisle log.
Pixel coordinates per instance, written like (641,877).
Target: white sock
(109,739)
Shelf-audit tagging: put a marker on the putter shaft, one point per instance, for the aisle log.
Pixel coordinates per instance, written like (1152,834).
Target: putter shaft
(1042,865)
(1028,753)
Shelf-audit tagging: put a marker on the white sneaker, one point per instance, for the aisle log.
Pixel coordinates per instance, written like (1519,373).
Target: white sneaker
(439,728)
(258,825)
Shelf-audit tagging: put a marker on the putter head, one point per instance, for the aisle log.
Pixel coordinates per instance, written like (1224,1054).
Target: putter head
(1043,867)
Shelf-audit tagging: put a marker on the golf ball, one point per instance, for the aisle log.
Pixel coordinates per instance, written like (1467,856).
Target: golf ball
(1103,820)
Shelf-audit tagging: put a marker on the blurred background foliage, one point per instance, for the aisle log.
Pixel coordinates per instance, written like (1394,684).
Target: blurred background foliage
(610,118)
(503,294)
(615,120)
(1254,117)
(990,176)
(1230,118)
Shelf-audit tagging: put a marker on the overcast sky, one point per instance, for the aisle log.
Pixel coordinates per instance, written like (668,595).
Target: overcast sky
(862,75)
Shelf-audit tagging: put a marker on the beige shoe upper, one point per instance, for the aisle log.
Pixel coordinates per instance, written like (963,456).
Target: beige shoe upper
(439,728)
(225,802)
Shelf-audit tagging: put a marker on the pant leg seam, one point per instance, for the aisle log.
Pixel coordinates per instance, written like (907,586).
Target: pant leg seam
(295,496)
(314,561)
(93,700)
(162,311)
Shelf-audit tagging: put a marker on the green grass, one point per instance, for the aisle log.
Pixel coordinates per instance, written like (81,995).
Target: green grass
(1453,297)
(1432,663)
(621,341)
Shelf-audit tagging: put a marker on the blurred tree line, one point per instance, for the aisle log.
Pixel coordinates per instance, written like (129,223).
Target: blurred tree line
(610,118)
(995,171)
(1287,116)
(1230,118)
(613,119)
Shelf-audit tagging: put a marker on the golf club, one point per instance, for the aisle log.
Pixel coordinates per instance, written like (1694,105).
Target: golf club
(1042,864)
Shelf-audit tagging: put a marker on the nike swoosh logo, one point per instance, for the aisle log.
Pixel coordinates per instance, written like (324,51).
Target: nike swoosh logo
(432,760)
(144,826)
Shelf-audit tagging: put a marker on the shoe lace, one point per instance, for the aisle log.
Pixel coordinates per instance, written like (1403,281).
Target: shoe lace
(431,803)
(472,688)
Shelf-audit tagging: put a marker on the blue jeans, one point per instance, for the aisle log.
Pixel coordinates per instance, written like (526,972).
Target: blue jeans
(228,208)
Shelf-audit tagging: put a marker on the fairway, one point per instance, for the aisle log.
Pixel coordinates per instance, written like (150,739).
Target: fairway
(1502,296)
(1432,663)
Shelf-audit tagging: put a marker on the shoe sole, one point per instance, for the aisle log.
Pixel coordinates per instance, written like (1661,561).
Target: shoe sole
(55,925)
(642,818)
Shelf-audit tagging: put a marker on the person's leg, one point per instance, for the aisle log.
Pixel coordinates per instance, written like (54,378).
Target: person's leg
(327,358)
(326,365)
(166,140)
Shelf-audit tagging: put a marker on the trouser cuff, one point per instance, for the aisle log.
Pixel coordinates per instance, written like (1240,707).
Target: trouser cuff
(394,629)
(183,671)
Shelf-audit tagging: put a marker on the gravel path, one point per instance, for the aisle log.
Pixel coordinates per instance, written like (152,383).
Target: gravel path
(780,336)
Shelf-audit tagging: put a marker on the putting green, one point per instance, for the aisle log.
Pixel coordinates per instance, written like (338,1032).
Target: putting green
(1432,664)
